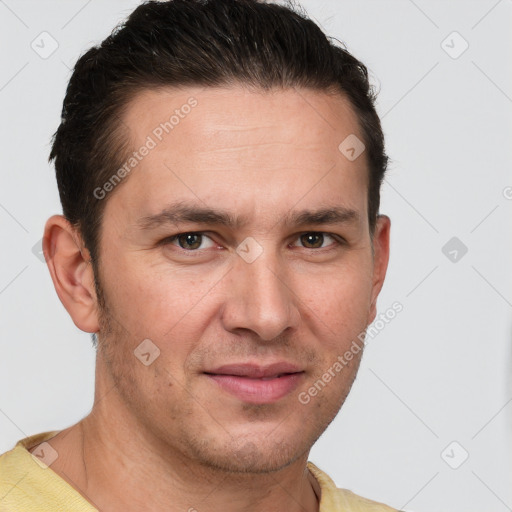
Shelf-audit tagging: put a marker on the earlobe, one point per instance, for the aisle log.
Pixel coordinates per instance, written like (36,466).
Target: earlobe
(71,271)
(380,260)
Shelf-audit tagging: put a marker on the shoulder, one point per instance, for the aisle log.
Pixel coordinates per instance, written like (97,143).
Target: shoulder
(334,499)
(26,484)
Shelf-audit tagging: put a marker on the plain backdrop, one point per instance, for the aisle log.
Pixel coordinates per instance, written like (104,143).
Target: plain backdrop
(427,426)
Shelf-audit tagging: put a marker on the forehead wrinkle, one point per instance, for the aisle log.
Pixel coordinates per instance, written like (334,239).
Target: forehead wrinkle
(242,146)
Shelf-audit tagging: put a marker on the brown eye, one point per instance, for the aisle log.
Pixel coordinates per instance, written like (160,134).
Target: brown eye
(190,241)
(313,240)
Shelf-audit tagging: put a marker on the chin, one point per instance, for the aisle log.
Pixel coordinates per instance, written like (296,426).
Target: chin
(248,456)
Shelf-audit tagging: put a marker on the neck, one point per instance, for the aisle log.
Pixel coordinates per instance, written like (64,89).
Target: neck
(116,465)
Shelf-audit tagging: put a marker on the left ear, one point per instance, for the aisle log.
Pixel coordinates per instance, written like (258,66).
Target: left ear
(380,260)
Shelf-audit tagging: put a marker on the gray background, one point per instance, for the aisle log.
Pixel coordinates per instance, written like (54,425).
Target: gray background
(440,372)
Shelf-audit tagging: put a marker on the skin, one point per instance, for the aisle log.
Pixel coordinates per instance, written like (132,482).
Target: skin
(164,436)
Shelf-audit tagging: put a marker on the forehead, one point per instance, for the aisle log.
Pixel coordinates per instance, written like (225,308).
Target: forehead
(225,113)
(254,148)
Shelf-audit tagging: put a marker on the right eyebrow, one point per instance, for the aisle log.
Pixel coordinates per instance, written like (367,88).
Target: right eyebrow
(184,212)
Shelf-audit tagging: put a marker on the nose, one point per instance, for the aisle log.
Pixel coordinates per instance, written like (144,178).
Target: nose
(259,297)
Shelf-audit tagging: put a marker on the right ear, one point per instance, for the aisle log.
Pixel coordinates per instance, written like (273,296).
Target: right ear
(70,267)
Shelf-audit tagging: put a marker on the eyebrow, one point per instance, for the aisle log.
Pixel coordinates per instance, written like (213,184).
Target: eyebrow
(182,212)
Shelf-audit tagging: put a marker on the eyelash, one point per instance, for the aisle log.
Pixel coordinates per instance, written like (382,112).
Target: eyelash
(339,241)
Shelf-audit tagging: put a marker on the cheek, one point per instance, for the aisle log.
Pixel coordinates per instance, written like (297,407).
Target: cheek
(162,302)
(338,303)
(158,300)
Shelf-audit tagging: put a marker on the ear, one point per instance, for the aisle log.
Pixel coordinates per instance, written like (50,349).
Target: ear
(380,260)
(71,270)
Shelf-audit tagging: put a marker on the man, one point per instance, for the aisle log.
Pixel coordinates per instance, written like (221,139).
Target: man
(219,165)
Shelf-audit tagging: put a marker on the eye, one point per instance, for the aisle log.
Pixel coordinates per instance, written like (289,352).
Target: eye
(189,241)
(315,240)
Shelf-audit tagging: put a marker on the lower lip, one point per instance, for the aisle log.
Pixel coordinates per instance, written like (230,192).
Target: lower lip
(258,391)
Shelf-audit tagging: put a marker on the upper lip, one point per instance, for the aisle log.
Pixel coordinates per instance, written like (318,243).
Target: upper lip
(255,371)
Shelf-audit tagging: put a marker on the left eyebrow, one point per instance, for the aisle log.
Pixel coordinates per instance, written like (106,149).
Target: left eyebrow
(198,214)
(335,215)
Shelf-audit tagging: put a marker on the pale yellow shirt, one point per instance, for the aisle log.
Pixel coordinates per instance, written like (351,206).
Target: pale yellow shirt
(28,486)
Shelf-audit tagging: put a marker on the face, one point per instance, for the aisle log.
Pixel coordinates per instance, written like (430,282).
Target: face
(239,246)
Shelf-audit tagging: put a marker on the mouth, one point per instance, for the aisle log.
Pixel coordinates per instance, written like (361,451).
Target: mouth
(257,384)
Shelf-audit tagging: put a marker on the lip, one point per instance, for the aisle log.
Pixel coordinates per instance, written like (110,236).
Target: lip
(257,384)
